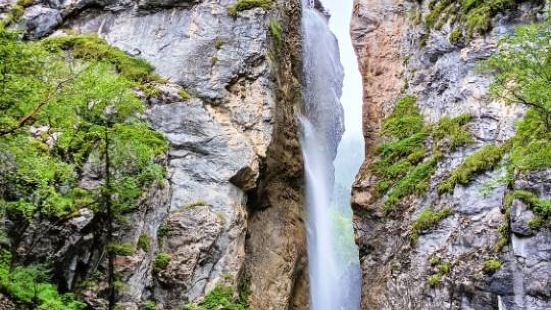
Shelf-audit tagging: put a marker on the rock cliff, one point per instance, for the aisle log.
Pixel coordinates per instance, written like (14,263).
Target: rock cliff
(407,261)
(230,211)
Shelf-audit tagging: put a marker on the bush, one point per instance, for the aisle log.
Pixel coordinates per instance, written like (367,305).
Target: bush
(144,242)
(29,285)
(242,5)
(221,297)
(164,230)
(121,249)
(161,261)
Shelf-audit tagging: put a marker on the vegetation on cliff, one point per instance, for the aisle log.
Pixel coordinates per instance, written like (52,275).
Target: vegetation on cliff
(405,160)
(69,111)
(242,5)
(522,68)
(221,297)
(474,16)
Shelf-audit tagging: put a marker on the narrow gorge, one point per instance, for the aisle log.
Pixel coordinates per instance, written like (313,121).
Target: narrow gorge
(275,154)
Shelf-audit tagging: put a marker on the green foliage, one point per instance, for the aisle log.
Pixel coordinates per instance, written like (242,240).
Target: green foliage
(522,67)
(218,43)
(492,265)
(144,242)
(402,166)
(196,203)
(541,207)
(426,219)
(444,268)
(29,285)
(38,82)
(121,249)
(405,120)
(184,94)
(221,297)
(455,35)
(434,280)
(164,230)
(474,15)
(485,159)
(149,305)
(161,261)
(92,48)
(453,130)
(276,32)
(415,182)
(531,146)
(535,222)
(242,5)
(399,166)
(414,16)
(214,60)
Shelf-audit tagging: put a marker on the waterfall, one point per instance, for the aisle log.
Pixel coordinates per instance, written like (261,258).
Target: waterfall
(331,158)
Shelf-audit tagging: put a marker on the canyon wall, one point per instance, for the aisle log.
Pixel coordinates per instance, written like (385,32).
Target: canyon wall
(230,211)
(446,266)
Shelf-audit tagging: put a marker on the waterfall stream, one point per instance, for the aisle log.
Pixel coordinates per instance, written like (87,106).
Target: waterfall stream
(332,157)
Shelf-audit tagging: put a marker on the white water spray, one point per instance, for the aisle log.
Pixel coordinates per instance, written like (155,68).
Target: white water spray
(334,273)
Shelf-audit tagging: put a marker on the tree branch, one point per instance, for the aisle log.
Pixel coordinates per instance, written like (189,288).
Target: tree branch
(29,116)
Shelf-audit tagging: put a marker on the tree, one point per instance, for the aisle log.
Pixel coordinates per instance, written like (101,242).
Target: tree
(63,112)
(523,69)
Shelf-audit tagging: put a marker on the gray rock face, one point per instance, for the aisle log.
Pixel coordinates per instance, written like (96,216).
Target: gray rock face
(218,140)
(445,80)
(39,21)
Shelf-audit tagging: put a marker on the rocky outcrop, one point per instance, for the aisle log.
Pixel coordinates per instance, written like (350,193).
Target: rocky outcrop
(276,250)
(395,61)
(231,210)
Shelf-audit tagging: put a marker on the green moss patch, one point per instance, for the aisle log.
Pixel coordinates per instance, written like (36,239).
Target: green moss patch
(427,219)
(404,165)
(93,48)
(473,15)
(485,159)
(242,5)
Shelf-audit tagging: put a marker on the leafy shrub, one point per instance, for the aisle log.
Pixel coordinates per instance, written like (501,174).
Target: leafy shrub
(29,285)
(121,249)
(221,297)
(474,15)
(455,35)
(144,242)
(161,261)
(149,305)
(164,230)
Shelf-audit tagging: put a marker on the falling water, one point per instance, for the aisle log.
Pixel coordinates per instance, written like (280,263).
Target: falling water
(330,165)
